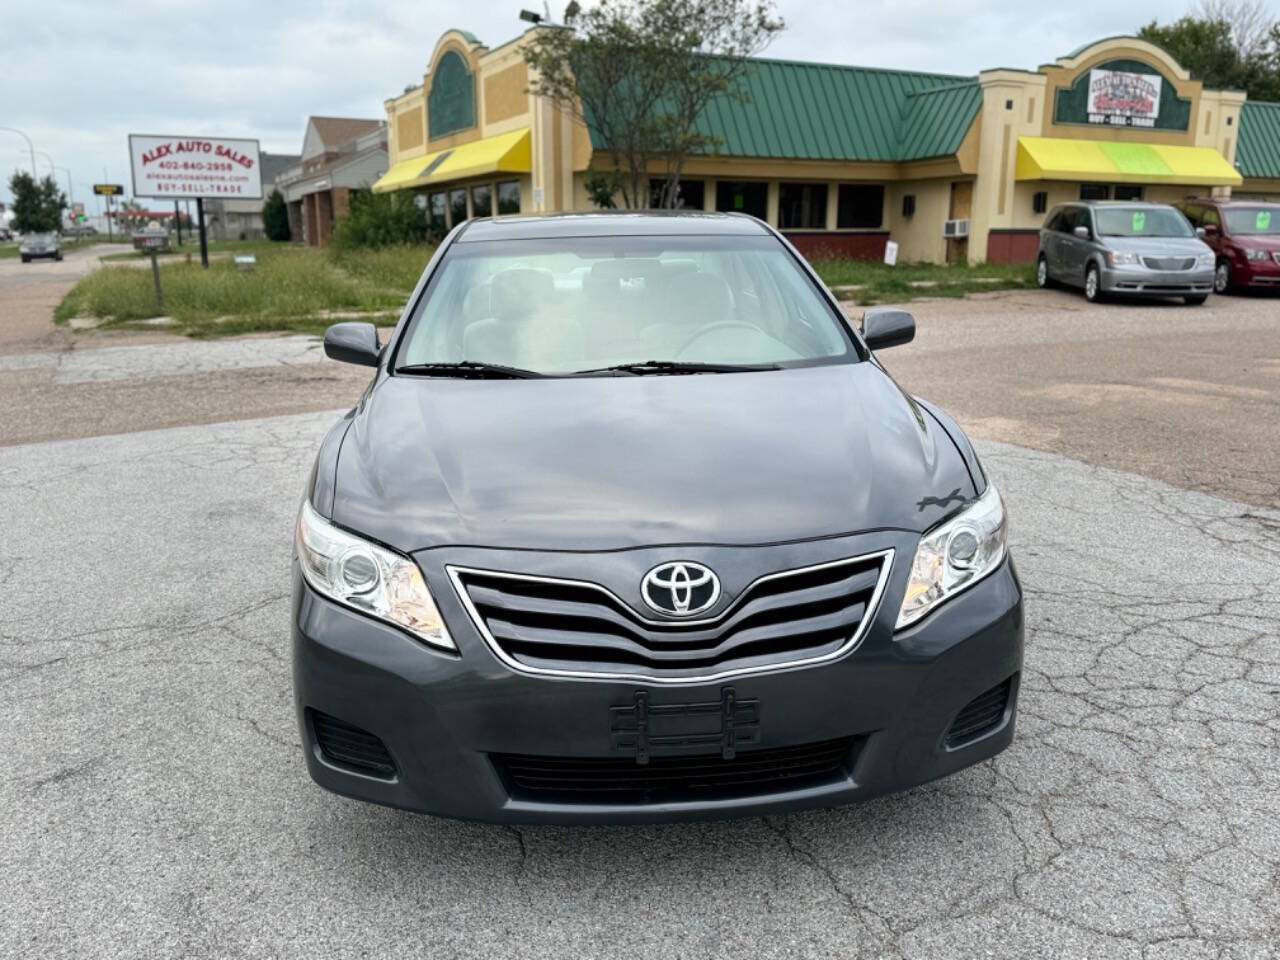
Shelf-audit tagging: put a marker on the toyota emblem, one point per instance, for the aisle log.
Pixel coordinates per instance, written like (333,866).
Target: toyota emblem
(680,588)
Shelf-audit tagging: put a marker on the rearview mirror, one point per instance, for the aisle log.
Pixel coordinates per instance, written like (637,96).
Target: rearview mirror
(887,327)
(1082,233)
(352,343)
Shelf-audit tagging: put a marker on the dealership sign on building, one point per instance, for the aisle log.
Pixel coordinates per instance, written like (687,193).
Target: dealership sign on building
(178,168)
(1124,99)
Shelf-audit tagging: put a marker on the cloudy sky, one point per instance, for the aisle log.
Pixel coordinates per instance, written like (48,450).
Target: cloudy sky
(78,77)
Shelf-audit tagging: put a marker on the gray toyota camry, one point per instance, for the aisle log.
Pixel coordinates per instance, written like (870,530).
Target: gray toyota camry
(631,524)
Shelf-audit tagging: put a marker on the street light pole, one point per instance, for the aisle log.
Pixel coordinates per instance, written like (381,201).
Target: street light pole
(30,147)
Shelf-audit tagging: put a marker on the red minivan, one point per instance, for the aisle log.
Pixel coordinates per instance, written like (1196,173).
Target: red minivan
(1245,235)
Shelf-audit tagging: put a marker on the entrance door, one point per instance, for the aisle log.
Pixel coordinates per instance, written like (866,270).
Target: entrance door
(961,209)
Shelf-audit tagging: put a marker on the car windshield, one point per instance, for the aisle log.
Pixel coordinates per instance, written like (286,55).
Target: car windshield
(1142,222)
(1252,221)
(564,306)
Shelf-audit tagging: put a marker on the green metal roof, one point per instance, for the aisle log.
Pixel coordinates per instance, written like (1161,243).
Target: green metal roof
(1258,152)
(818,111)
(935,121)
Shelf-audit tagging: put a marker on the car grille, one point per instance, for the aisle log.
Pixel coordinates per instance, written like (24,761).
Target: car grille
(1169,263)
(675,779)
(577,628)
(981,715)
(350,747)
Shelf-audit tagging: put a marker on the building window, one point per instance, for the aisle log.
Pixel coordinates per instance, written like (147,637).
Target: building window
(690,194)
(860,206)
(436,217)
(1127,191)
(1095,191)
(802,206)
(743,196)
(508,197)
(457,207)
(482,200)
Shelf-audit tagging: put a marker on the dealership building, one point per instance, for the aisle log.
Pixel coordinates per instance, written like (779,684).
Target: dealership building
(843,159)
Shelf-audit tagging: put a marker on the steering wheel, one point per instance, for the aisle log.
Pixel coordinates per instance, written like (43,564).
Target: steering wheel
(713,327)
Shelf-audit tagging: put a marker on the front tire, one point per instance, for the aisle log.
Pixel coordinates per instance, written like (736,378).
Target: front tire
(1042,273)
(26,259)
(1092,284)
(1195,301)
(1222,277)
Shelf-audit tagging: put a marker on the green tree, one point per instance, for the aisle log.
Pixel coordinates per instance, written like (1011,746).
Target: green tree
(38,205)
(275,217)
(639,73)
(1225,46)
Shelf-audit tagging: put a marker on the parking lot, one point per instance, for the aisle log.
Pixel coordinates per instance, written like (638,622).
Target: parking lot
(155,801)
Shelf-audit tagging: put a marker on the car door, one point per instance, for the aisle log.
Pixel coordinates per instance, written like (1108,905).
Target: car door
(1066,238)
(1081,248)
(1049,240)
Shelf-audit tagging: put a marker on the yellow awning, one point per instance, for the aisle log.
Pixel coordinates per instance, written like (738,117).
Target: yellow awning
(1053,158)
(505,153)
(403,174)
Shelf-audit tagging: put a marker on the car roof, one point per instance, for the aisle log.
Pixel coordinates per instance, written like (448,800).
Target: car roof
(612,223)
(1147,204)
(1232,202)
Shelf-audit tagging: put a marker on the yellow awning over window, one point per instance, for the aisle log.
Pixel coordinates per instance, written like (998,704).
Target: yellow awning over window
(403,174)
(505,153)
(1053,158)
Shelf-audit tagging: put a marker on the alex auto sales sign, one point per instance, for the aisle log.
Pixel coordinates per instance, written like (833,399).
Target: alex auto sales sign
(1124,99)
(179,168)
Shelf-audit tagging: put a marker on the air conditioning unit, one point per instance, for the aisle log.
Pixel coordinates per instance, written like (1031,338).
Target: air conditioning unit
(955,229)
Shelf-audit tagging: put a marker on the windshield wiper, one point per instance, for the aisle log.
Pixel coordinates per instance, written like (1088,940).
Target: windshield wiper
(644,367)
(474,369)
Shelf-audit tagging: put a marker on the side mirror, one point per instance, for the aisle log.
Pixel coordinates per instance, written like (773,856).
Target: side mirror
(887,327)
(352,343)
(1082,233)
(1208,230)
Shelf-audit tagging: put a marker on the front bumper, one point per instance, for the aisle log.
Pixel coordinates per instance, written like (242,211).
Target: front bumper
(39,254)
(1258,274)
(1139,281)
(446,719)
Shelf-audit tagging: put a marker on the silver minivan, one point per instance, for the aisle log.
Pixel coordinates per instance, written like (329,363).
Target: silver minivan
(1121,247)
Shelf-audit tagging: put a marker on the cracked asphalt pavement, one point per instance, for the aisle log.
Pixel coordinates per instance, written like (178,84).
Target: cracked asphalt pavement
(155,803)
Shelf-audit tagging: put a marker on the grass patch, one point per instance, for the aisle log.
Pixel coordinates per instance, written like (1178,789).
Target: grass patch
(878,282)
(290,288)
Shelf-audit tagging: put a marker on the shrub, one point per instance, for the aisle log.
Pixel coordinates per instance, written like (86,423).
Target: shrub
(380,220)
(275,217)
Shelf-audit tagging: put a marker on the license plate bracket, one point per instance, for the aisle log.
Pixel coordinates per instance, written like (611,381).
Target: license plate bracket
(646,729)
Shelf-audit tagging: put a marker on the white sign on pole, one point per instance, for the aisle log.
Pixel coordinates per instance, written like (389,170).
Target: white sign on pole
(1124,99)
(891,253)
(176,168)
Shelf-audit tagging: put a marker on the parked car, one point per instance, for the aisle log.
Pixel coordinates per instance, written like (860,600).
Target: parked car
(1125,248)
(631,524)
(5,234)
(37,246)
(1245,238)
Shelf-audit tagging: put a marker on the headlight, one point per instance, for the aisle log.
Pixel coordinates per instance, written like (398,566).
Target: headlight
(955,555)
(1205,260)
(368,578)
(1255,254)
(1118,258)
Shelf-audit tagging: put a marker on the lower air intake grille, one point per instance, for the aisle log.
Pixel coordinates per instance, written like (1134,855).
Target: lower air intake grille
(677,778)
(981,715)
(351,747)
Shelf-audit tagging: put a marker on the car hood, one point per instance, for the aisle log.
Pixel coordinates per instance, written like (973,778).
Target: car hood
(617,462)
(1158,246)
(1262,241)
